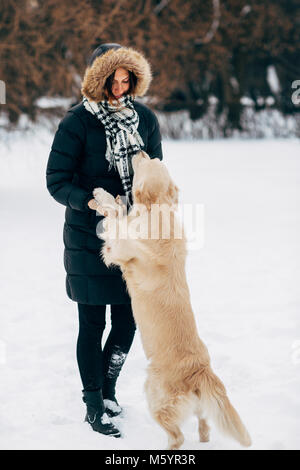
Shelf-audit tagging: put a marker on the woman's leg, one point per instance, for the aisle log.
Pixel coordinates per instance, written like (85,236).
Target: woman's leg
(89,350)
(90,362)
(117,347)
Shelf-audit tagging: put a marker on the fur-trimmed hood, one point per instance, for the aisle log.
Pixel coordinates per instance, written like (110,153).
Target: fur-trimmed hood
(103,66)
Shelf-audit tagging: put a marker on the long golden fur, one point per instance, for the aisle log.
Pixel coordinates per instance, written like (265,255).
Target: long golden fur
(180,380)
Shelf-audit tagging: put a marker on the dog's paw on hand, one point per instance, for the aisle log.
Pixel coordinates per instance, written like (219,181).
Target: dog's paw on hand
(105,200)
(103,197)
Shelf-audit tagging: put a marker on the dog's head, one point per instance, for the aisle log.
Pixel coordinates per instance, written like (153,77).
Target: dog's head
(152,183)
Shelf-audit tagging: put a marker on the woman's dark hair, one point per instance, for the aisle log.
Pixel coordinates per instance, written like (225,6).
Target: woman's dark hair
(109,82)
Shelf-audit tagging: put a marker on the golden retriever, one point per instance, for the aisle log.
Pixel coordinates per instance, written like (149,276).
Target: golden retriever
(180,380)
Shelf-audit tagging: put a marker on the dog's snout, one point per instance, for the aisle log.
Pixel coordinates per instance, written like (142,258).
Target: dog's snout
(138,158)
(145,155)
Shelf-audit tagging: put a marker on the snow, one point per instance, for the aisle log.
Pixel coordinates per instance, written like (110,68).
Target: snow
(244,285)
(268,123)
(112,406)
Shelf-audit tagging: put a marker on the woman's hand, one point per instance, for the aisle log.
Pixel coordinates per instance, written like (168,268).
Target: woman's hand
(93,204)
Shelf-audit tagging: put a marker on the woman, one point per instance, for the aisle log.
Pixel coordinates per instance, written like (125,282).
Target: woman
(92,148)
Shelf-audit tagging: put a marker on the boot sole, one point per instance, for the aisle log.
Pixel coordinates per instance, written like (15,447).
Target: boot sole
(117,434)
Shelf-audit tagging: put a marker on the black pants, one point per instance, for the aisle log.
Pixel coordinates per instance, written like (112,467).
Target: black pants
(97,365)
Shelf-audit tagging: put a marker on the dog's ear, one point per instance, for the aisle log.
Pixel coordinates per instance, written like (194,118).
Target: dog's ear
(172,194)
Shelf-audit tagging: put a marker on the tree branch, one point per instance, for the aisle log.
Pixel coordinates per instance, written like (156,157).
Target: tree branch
(214,26)
(161,6)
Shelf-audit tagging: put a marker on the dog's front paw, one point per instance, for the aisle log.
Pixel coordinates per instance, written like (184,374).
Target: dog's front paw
(103,197)
(106,202)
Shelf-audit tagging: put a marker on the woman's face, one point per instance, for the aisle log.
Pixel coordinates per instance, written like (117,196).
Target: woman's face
(120,83)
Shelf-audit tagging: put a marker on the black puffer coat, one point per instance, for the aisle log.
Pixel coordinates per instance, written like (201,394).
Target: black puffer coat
(76,166)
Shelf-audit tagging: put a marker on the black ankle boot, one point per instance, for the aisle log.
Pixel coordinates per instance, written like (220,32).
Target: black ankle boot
(96,415)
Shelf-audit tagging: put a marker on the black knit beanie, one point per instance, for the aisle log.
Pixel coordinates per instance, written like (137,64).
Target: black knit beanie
(101,50)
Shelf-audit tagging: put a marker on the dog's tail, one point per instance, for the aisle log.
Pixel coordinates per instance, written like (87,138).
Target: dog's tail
(214,400)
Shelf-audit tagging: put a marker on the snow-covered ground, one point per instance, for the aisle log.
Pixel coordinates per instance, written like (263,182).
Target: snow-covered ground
(244,285)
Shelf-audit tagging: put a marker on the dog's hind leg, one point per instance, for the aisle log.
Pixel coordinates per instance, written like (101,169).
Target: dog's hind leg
(203,429)
(166,417)
(167,411)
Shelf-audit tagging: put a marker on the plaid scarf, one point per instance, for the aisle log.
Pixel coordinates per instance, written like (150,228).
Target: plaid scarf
(123,140)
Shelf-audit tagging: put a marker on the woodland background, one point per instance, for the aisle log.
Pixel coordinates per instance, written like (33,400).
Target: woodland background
(210,58)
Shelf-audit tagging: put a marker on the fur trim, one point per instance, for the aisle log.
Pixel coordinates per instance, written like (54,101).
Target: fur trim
(104,65)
